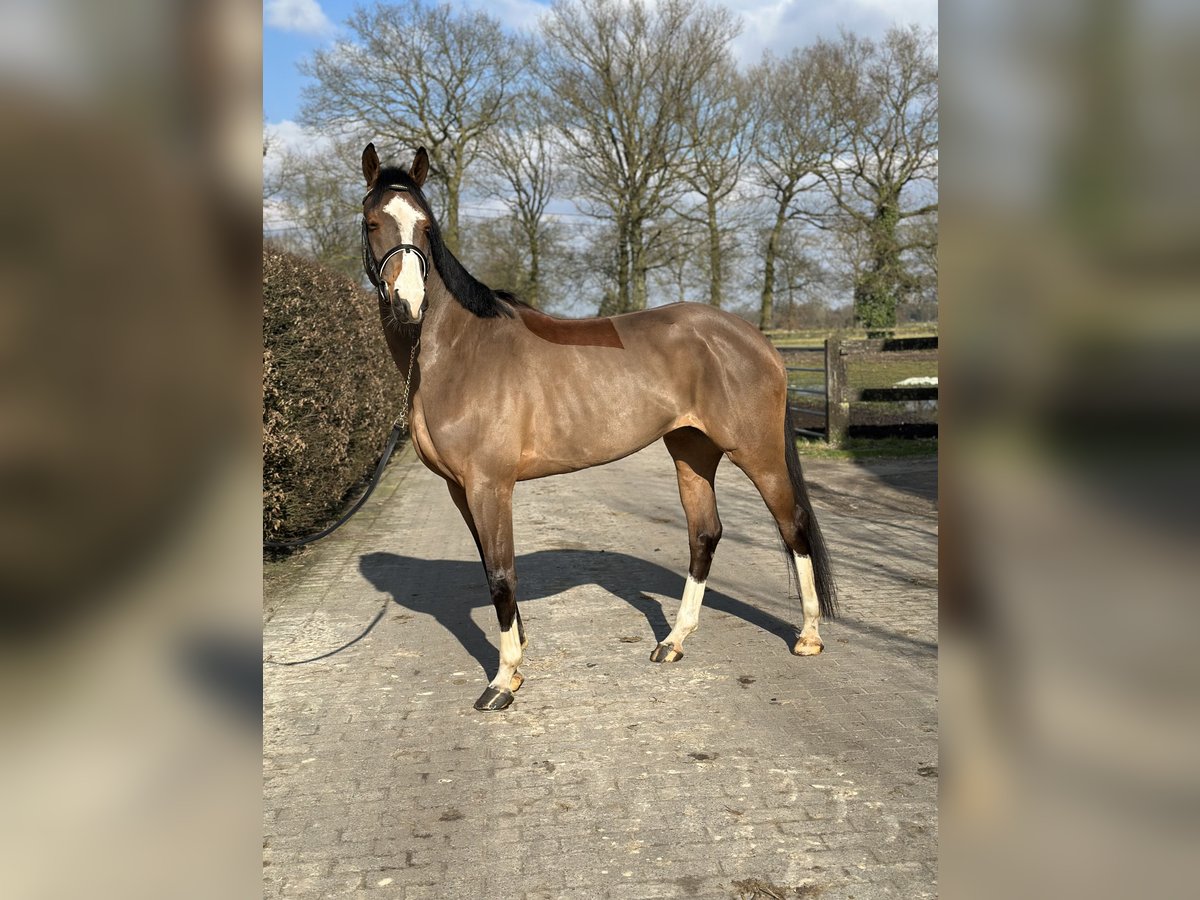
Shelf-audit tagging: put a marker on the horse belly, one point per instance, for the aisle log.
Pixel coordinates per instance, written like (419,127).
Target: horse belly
(572,430)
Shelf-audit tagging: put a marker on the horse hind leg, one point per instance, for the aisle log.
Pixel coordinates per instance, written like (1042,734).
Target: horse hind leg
(696,458)
(809,642)
(782,489)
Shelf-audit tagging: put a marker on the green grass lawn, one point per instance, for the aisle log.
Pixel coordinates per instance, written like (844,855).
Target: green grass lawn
(874,370)
(868,448)
(882,370)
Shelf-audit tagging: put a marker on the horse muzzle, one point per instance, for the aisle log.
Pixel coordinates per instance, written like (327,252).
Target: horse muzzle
(404,311)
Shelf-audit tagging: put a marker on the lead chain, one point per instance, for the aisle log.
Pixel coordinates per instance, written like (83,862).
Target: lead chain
(412,358)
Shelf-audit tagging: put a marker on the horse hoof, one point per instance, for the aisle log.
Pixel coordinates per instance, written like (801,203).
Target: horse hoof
(492,700)
(808,647)
(517,680)
(665,653)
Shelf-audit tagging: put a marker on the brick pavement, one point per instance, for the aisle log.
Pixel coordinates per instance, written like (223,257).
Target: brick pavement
(740,771)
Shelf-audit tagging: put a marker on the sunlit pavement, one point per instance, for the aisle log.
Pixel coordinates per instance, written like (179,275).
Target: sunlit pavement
(738,768)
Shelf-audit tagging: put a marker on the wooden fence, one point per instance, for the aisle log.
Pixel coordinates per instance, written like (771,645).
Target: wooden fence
(877,412)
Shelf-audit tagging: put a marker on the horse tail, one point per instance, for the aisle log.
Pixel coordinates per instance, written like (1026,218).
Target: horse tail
(807,519)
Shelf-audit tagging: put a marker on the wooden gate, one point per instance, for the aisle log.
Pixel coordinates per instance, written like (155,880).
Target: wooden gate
(879,415)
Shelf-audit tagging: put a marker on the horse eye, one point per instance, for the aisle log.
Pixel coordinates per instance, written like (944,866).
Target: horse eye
(372,226)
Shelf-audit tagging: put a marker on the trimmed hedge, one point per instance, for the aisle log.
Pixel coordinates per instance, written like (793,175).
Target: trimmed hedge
(330,393)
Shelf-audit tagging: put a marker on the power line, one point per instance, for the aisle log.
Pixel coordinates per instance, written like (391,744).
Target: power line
(586,221)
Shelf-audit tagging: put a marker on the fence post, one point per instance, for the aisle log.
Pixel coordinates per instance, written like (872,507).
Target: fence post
(837,401)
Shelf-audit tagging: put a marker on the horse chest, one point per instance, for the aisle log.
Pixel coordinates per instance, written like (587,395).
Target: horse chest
(422,441)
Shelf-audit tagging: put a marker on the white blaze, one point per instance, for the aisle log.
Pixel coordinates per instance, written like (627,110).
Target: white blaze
(408,282)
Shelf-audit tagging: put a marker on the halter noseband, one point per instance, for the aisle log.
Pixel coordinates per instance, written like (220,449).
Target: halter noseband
(375,270)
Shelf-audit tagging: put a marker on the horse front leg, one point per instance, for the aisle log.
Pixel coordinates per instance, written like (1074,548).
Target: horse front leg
(460,500)
(490,507)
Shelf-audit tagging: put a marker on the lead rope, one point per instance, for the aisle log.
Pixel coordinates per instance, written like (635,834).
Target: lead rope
(398,428)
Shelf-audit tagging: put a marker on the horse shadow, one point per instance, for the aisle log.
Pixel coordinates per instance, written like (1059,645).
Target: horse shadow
(448,590)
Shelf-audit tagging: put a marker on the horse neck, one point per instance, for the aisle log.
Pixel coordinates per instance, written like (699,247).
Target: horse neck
(444,319)
(446,329)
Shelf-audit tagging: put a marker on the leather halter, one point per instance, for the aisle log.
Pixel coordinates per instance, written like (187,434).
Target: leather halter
(373,269)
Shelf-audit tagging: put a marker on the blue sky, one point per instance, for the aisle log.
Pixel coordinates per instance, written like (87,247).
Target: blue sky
(287,39)
(293,29)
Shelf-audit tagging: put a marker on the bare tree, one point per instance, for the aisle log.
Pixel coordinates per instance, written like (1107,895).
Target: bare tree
(270,185)
(802,281)
(319,206)
(498,253)
(884,97)
(521,157)
(720,131)
(418,75)
(920,235)
(620,77)
(683,241)
(795,139)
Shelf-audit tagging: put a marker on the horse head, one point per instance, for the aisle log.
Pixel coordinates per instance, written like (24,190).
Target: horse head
(395,234)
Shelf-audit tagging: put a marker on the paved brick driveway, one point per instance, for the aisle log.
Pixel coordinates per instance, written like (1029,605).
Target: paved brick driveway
(740,771)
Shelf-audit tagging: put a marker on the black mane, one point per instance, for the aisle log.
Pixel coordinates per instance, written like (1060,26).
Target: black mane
(471,293)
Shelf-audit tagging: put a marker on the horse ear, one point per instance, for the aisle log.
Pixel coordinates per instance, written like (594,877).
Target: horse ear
(370,164)
(420,166)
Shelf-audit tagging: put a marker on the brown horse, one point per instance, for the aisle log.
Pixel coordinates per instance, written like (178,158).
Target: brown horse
(502,393)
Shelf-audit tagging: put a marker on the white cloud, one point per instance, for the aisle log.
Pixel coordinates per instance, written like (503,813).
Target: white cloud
(780,25)
(291,137)
(514,15)
(304,16)
(288,138)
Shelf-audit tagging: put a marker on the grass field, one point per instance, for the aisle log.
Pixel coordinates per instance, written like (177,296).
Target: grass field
(877,370)
(868,448)
(882,370)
